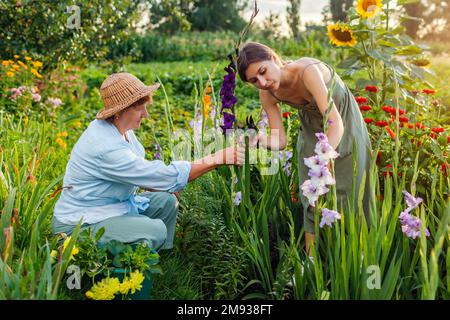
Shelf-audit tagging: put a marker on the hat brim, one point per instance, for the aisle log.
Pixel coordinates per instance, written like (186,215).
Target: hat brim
(146,91)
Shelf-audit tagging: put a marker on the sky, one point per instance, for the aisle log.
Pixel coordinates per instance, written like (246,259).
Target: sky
(310,10)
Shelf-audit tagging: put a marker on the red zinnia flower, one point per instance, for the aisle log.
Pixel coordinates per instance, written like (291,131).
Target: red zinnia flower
(387,109)
(381,123)
(438,130)
(403,119)
(365,108)
(361,100)
(368,120)
(420,126)
(411,126)
(391,133)
(286,115)
(371,88)
(429,91)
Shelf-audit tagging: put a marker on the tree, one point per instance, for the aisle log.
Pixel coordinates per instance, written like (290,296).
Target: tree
(170,16)
(215,15)
(339,8)
(271,27)
(293,17)
(433,19)
(56,31)
(212,15)
(412,25)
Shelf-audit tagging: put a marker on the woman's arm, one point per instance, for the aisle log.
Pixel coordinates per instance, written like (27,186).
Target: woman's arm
(277,138)
(315,84)
(230,155)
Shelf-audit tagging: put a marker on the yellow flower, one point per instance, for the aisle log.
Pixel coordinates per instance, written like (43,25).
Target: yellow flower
(62,134)
(37,64)
(16,56)
(104,290)
(28,58)
(15,66)
(10,74)
(77,124)
(136,279)
(36,89)
(54,255)
(5,63)
(22,64)
(368,8)
(75,250)
(61,143)
(36,73)
(341,35)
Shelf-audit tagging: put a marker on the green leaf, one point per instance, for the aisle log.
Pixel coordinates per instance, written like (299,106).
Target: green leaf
(403,2)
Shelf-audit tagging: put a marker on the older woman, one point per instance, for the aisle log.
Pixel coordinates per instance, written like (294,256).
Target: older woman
(107,166)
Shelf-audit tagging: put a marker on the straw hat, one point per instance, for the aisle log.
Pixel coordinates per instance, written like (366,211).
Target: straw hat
(120,90)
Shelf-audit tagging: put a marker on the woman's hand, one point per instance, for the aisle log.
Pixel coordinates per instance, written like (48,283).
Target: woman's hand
(231,155)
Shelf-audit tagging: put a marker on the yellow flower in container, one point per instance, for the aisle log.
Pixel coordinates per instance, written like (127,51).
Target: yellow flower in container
(5,63)
(17,67)
(28,58)
(10,74)
(368,8)
(341,35)
(104,290)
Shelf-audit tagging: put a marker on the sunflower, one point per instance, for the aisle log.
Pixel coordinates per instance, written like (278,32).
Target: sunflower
(421,62)
(368,8)
(341,35)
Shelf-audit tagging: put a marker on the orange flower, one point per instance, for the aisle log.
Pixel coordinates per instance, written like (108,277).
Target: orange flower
(391,133)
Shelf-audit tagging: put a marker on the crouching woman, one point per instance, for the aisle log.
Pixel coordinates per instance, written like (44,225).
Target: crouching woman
(107,166)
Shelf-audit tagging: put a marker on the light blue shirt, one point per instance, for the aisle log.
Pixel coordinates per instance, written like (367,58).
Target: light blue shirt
(104,173)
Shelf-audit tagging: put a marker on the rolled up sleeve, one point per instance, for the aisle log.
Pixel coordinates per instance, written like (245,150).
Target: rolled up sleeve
(124,166)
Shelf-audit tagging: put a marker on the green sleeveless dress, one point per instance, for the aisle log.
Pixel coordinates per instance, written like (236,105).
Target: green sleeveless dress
(355,130)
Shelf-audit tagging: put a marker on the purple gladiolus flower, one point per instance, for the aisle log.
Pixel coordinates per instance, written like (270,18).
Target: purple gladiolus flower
(411,224)
(321,176)
(329,217)
(411,201)
(237,198)
(314,161)
(325,151)
(322,137)
(287,168)
(228,120)
(312,191)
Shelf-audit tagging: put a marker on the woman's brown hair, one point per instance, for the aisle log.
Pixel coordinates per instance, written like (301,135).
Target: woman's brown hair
(254,52)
